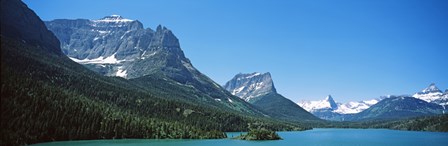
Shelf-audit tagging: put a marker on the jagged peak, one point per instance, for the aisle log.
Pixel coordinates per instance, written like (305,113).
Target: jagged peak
(432,88)
(159,27)
(328,98)
(331,101)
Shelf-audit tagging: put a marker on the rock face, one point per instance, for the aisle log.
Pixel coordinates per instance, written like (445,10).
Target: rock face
(432,94)
(258,89)
(115,46)
(250,86)
(29,29)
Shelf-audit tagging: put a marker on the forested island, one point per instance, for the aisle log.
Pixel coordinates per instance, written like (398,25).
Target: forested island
(259,134)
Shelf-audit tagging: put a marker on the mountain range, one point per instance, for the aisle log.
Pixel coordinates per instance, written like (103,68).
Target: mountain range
(258,89)
(116,46)
(330,110)
(46,96)
(111,78)
(398,107)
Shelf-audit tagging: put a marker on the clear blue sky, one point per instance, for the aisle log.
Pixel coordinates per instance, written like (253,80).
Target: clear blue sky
(352,49)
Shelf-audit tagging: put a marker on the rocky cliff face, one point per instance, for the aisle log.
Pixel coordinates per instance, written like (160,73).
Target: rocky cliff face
(116,46)
(250,86)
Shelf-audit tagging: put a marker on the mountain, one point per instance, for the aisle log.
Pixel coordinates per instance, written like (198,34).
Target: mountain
(432,94)
(45,96)
(250,86)
(327,103)
(329,109)
(399,107)
(116,46)
(29,29)
(354,107)
(258,89)
(325,109)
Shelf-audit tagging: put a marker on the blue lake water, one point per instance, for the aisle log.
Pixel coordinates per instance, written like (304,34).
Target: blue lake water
(315,137)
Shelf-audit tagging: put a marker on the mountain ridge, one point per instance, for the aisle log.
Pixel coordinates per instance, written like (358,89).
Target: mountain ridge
(399,107)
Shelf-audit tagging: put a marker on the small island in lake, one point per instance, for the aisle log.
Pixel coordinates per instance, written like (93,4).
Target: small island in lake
(259,134)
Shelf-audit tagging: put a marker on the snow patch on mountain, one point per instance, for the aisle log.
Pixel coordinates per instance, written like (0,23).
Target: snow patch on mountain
(113,18)
(100,60)
(121,72)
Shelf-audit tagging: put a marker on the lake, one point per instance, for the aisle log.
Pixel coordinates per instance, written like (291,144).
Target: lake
(315,137)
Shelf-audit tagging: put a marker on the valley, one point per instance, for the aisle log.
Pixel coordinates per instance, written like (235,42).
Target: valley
(99,80)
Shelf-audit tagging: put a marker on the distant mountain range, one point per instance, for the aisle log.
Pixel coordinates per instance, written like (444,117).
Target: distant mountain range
(398,107)
(258,89)
(330,110)
(340,108)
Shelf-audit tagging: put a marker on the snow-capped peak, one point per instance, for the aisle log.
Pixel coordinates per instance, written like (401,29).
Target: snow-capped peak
(113,18)
(327,103)
(432,88)
(432,94)
(342,108)
(331,101)
(355,107)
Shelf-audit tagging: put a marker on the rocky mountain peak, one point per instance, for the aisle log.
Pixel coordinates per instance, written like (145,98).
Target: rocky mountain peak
(331,101)
(165,37)
(432,94)
(329,98)
(432,88)
(251,85)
